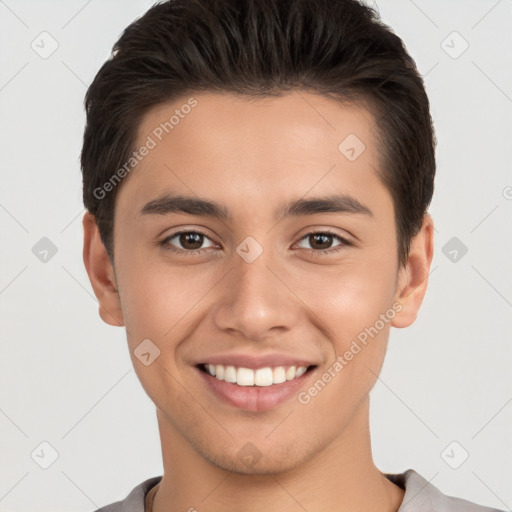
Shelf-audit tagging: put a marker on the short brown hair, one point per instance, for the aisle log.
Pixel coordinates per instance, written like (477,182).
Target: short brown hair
(336,48)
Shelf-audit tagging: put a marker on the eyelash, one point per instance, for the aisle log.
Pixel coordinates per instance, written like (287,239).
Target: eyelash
(316,252)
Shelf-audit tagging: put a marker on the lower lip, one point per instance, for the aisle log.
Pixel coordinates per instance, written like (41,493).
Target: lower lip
(255,398)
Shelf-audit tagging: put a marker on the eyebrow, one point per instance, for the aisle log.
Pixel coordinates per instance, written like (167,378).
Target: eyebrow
(169,203)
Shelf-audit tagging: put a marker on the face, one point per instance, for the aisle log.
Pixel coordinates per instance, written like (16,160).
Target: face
(280,251)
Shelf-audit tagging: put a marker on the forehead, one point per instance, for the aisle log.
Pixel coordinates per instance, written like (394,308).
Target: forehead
(254,152)
(305,120)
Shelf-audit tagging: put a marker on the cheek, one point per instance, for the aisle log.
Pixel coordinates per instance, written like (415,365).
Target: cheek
(158,300)
(359,342)
(354,305)
(350,297)
(160,304)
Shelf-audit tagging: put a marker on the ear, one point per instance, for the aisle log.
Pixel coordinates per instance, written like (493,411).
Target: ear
(413,278)
(101,273)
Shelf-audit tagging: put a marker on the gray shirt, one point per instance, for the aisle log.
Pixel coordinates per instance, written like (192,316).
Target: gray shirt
(420,496)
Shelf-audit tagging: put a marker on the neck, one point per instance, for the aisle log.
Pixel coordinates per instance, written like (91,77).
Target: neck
(339,477)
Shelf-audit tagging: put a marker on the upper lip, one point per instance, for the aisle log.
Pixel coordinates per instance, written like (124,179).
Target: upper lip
(256,361)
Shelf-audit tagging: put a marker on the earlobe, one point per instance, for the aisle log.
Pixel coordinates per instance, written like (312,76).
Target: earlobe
(101,273)
(413,279)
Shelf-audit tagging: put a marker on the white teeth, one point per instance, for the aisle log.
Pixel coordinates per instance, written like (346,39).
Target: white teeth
(266,376)
(230,374)
(301,370)
(219,372)
(263,377)
(278,375)
(290,373)
(245,377)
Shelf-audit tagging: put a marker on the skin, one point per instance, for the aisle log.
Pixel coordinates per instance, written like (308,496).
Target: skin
(251,155)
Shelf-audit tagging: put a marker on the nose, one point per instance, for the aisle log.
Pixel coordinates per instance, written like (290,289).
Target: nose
(256,301)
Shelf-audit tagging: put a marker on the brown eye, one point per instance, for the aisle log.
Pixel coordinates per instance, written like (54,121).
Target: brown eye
(322,242)
(186,242)
(191,240)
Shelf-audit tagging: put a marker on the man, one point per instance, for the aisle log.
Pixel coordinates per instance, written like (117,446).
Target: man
(257,175)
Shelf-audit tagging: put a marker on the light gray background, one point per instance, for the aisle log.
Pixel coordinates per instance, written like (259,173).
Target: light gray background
(66,377)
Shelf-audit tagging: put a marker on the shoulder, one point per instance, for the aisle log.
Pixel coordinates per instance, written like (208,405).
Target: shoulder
(422,496)
(134,502)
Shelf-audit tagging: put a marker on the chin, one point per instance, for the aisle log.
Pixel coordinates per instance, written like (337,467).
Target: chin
(249,460)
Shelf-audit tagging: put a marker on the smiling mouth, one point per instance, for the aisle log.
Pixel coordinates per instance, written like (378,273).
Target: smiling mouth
(263,377)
